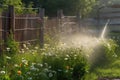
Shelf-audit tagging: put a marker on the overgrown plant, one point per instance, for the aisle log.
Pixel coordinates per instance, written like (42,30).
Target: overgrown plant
(110,49)
(103,54)
(12,47)
(68,64)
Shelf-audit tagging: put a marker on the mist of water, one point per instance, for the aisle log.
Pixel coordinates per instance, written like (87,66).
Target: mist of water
(88,42)
(104,29)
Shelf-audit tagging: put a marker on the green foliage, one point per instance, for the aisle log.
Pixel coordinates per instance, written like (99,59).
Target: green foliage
(108,66)
(91,76)
(104,54)
(69,7)
(110,49)
(84,7)
(68,64)
(45,64)
(52,41)
(56,63)
(29,9)
(17,3)
(4,77)
(19,6)
(12,47)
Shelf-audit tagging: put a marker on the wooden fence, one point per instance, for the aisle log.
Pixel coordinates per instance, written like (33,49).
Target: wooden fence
(68,24)
(113,14)
(31,27)
(24,27)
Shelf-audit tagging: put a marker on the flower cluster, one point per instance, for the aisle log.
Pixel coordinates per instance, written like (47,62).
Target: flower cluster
(48,63)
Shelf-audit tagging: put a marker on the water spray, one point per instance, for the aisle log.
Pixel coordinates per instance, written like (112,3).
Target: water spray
(104,29)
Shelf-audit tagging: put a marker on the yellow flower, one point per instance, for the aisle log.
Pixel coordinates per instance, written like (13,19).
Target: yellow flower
(20,64)
(67,67)
(19,72)
(26,64)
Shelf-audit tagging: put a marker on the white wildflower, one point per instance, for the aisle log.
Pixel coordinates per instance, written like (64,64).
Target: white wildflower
(33,68)
(16,65)
(49,67)
(59,70)
(22,51)
(24,61)
(115,55)
(36,47)
(37,69)
(50,75)
(27,48)
(24,45)
(23,58)
(46,64)
(71,68)
(66,71)
(8,49)
(2,72)
(7,57)
(54,72)
(28,43)
(33,64)
(65,59)
(67,56)
(46,70)
(28,72)
(49,54)
(41,65)
(75,55)
(30,78)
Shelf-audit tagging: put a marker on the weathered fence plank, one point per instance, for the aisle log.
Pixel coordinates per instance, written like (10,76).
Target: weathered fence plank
(11,20)
(41,13)
(24,28)
(113,14)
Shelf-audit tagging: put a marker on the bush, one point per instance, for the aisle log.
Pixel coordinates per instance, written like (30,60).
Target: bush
(104,54)
(68,64)
(45,64)
(51,63)
(12,47)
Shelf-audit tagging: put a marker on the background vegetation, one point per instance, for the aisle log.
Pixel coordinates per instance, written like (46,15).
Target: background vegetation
(69,7)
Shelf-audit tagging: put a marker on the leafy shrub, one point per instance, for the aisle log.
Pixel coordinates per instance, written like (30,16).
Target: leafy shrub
(12,47)
(50,63)
(69,64)
(110,49)
(104,53)
(45,64)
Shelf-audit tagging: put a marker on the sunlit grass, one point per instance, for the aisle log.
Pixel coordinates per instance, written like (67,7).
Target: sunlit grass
(108,72)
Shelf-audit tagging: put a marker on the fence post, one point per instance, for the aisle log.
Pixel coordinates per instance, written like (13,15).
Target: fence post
(78,17)
(8,24)
(11,20)
(4,26)
(4,30)
(42,14)
(59,16)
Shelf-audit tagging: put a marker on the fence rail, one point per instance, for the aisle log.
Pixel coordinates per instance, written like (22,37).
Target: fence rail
(32,27)
(112,13)
(24,27)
